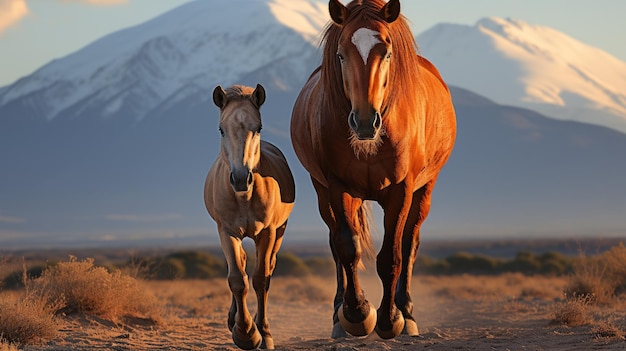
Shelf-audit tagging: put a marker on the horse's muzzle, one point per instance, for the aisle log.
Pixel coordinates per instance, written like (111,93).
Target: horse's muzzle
(241,180)
(365,129)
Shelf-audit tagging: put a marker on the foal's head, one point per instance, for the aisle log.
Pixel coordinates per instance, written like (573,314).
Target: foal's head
(240,127)
(364,51)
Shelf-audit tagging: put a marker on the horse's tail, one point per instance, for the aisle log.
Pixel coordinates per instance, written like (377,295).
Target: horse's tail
(367,245)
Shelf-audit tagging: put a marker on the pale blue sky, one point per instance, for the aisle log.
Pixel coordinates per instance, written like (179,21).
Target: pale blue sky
(54,28)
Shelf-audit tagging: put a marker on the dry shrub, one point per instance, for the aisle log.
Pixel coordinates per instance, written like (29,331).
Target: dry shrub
(7,346)
(572,312)
(27,320)
(599,278)
(607,330)
(89,289)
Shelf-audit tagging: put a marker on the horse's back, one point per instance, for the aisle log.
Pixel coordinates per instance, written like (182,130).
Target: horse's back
(441,116)
(274,164)
(216,187)
(306,127)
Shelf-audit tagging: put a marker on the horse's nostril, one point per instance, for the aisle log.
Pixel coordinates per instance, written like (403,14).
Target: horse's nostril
(352,121)
(232,179)
(249,178)
(377,120)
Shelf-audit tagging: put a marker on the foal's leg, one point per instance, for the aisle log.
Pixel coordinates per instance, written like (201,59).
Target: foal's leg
(267,245)
(244,331)
(326,214)
(410,244)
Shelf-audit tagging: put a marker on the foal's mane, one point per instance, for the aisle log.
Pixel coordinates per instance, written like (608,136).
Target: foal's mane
(404,61)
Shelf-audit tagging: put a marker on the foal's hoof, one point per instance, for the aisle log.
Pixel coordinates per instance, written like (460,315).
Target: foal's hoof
(247,340)
(410,328)
(396,328)
(362,328)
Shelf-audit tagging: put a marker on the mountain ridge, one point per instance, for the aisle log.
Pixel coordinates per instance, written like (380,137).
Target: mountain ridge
(116,166)
(531,66)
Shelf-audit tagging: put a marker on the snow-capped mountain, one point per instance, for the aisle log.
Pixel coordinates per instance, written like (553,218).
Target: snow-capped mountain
(111,144)
(187,50)
(531,66)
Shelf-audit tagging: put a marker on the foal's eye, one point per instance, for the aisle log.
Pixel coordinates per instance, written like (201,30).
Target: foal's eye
(221,131)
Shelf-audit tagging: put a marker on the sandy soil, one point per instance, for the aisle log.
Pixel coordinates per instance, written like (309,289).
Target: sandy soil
(509,312)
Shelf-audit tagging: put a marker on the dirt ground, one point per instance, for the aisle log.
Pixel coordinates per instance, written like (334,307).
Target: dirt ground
(507,312)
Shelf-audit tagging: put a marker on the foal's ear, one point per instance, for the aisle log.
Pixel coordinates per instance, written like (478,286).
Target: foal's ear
(219,97)
(338,12)
(258,95)
(391,10)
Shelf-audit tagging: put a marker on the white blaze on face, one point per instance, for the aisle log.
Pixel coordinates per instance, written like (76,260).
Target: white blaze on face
(365,39)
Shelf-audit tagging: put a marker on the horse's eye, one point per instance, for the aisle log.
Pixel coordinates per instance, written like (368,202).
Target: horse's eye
(221,131)
(340,56)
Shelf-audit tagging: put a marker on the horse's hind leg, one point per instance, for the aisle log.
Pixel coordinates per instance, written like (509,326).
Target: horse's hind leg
(410,244)
(244,331)
(267,245)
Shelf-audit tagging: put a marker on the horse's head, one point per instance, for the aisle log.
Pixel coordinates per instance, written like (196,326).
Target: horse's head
(240,126)
(365,51)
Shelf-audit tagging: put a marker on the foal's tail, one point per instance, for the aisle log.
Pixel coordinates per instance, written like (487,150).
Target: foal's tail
(367,245)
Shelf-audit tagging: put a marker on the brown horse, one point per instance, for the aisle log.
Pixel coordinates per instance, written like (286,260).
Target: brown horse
(249,192)
(374,122)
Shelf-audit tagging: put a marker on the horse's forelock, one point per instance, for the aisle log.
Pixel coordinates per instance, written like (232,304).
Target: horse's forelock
(241,96)
(405,57)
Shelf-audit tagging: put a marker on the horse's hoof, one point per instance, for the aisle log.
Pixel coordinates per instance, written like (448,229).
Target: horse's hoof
(396,328)
(268,343)
(362,328)
(247,340)
(410,328)
(338,331)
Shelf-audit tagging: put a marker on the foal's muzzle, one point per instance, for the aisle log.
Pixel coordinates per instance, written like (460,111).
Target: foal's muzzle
(365,129)
(241,180)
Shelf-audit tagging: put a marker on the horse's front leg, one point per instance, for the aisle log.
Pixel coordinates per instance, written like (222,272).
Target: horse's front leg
(327,215)
(396,206)
(420,207)
(244,331)
(356,315)
(267,245)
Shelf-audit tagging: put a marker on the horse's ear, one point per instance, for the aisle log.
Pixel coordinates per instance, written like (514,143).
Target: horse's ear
(259,95)
(219,97)
(338,12)
(391,10)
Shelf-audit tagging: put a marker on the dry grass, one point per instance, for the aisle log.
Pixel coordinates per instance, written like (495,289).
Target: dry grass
(608,330)
(88,289)
(572,312)
(27,319)
(599,278)
(7,346)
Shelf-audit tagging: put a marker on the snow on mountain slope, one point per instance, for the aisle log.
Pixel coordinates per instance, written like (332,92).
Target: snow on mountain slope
(190,48)
(531,66)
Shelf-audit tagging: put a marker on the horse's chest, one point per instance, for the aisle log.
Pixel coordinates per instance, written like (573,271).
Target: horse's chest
(246,222)
(369,178)
(249,218)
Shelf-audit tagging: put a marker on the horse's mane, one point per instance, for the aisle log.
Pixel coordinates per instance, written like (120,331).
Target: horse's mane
(405,58)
